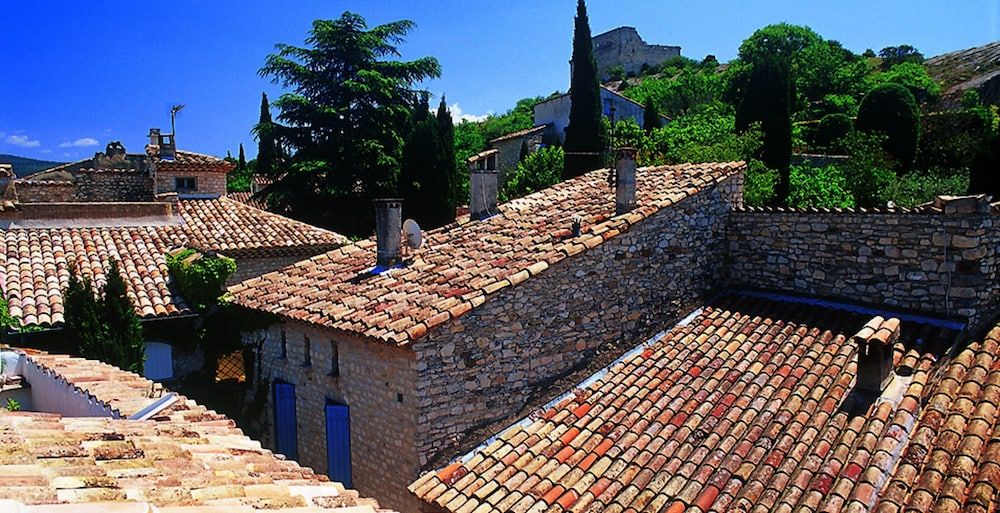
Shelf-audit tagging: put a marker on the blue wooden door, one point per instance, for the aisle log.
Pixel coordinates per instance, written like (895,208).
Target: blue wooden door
(338,443)
(285,435)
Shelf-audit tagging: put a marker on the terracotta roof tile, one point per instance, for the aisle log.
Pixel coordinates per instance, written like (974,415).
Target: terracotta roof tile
(188,161)
(185,460)
(461,264)
(35,262)
(750,406)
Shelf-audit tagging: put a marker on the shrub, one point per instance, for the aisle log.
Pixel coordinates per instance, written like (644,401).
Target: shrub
(200,278)
(616,73)
(537,171)
(104,326)
(869,171)
(831,131)
(923,186)
(890,109)
(820,187)
(758,189)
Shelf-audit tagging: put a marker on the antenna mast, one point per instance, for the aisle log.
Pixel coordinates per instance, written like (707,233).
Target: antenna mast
(173,114)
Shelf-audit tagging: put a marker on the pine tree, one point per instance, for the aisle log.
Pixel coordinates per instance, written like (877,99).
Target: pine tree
(265,141)
(241,162)
(767,100)
(651,116)
(125,338)
(584,135)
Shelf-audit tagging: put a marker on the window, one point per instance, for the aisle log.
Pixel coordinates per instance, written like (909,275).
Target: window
(307,348)
(284,344)
(185,183)
(159,362)
(334,359)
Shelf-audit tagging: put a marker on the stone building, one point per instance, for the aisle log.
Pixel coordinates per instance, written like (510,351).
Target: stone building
(624,47)
(135,209)
(440,341)
(553,113)
(511,146)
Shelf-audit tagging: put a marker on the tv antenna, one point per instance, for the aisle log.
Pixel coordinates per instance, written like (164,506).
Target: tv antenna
(173,114)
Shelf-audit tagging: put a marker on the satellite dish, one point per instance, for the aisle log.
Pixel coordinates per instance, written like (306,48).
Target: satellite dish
(411,230)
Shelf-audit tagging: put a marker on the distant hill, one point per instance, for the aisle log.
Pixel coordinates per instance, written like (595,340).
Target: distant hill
(24,166)
(974,68)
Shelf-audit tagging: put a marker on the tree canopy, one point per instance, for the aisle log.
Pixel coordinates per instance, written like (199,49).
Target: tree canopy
(890,109)
(344,118)
(584,143)
(104,326)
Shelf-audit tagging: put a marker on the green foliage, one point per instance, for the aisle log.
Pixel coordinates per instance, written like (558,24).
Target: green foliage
(893,55)
(651,119)
(869,171)
(758,189)
(241,162)
(952,139)
(831,131)
(767,100)
(822,187)
(239,180)
(344,118)
(103,326)
(922,186)
(200,278)
(537,171)
(7,322)
(12,405)
(265,139)
(890,109)
(584,140)
(426,180)
(680,94)
(912,76)
(616,73)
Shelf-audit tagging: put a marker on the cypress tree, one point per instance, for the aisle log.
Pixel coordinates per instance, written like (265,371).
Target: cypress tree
(524,151)
(767,100)
(423,185)
(125,339)
(83,327)
(446,160)
(651,116)
(265,141)
(584,135)
(241,162)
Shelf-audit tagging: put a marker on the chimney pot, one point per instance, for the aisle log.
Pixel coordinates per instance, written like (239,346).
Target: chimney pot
(483,178)
(625,168)
(388,231)
(875,342)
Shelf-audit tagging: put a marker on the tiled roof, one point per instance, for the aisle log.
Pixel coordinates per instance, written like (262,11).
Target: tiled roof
(460,265)
(247,197)
(748,407)
(35,261)
(521,133)
(187,161)
(185,459)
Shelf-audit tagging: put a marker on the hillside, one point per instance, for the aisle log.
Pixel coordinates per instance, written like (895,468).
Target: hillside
(24,166)
(973,68)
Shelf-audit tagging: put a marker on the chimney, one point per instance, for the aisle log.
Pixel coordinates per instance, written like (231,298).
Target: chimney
(154,136)
(483,186)
(875,342)
(624,180)
(388,230)
(161,145)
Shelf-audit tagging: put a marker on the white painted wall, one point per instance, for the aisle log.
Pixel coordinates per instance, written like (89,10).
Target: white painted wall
(52,394)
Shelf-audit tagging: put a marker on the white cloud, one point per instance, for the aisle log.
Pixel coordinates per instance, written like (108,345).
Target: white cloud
(22,141)
(46,151)
(458,116)
(79,143)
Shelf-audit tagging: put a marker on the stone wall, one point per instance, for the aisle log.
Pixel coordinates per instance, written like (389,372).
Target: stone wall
(113,186)
(483,366)
(624,47)
(375,381)
(44,191)
(509,151)
(208,182)
(939,259)
(247,267)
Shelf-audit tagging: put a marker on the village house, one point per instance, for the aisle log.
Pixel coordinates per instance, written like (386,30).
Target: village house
(134,208)
(83,436)
(422,347)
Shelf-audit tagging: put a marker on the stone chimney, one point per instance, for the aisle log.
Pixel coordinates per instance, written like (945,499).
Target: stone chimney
(624,180)
(874,343)
(483,178)
(388,231)
(161,145)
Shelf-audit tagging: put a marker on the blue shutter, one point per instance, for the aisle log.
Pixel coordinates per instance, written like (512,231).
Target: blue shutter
(338,444)
(285,427)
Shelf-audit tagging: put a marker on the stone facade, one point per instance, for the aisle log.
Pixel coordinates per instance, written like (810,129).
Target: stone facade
(375,380)
(484,366)
(208,183)
(555,111)
(940,259)
(30,191)
(624,47)
(509,149)
(113,185)
(250,267)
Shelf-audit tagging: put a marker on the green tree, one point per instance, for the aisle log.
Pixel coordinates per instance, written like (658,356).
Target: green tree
(893,55)
(241,162)
(767,100)
(344,119)
(446,158)
(912,76)
(831,131)
(104,326)
(584,144)
(651,117)
(890,109)
(265,138)
(425,181)
(539,170)
(616,73)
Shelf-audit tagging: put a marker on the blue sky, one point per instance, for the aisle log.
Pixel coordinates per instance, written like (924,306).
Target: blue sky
(75,75)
